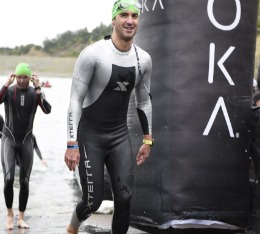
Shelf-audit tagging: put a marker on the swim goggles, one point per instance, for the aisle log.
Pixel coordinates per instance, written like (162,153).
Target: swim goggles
(122,5)
(125,5)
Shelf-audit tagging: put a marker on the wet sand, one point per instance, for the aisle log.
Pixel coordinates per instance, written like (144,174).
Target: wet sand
(47,224)
(97,223)
(49,208)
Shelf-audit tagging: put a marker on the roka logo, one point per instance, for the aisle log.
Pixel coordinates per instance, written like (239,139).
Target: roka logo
(221,102)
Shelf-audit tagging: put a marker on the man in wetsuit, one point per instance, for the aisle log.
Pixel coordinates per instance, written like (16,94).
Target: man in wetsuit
(104,76)
(21,102)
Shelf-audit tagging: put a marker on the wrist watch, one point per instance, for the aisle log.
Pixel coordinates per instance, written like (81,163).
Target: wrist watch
(148,142)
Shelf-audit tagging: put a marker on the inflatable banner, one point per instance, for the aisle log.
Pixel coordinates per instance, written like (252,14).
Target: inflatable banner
(197,175)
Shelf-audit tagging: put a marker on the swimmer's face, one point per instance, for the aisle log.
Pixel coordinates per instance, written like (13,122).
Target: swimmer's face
(23,81)
(126,24)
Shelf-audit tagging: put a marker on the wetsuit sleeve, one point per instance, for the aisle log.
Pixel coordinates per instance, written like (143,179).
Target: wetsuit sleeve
(42,102)
(82,75)
(143,101)
(36,148)
(3,94)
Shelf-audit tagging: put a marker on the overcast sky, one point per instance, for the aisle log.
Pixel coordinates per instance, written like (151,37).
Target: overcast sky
(32,21)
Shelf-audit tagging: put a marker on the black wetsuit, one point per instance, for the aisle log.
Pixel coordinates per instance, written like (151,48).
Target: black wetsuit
(17,139)
(1,125)
(103,80)
(35,144)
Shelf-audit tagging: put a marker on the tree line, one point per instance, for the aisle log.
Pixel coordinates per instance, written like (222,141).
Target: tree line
(68,44)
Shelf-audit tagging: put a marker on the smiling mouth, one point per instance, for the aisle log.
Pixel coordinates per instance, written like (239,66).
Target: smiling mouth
(129,29)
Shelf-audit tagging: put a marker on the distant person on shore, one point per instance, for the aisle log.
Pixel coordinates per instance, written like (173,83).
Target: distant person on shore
(21,101)
(104,76)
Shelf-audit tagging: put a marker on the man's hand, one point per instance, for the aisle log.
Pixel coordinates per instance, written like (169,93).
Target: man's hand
(35,80)
(143,154)
(72,158)
(10,80)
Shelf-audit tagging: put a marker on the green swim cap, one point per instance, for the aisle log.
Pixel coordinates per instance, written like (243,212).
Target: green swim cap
(23,69)
(123,5)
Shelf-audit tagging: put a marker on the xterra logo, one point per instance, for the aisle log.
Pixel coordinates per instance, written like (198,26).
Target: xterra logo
(122,86)
(22,100)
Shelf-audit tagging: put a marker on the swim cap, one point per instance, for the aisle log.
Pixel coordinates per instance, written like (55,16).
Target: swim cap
(23,69)
(123,5)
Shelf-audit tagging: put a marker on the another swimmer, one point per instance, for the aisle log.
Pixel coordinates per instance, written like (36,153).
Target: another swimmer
(21,102)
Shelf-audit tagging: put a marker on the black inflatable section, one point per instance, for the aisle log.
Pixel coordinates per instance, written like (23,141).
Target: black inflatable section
(203,63)
(254,175)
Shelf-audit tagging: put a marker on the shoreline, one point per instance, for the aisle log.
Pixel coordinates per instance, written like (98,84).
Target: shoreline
(43,66)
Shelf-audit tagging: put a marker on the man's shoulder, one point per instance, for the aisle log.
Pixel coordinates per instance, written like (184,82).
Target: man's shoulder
(10,89)
(96,44)
(143,55)
(95,47)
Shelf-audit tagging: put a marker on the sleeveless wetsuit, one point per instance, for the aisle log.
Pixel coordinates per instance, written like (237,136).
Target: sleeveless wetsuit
(20,109)
(103,80)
